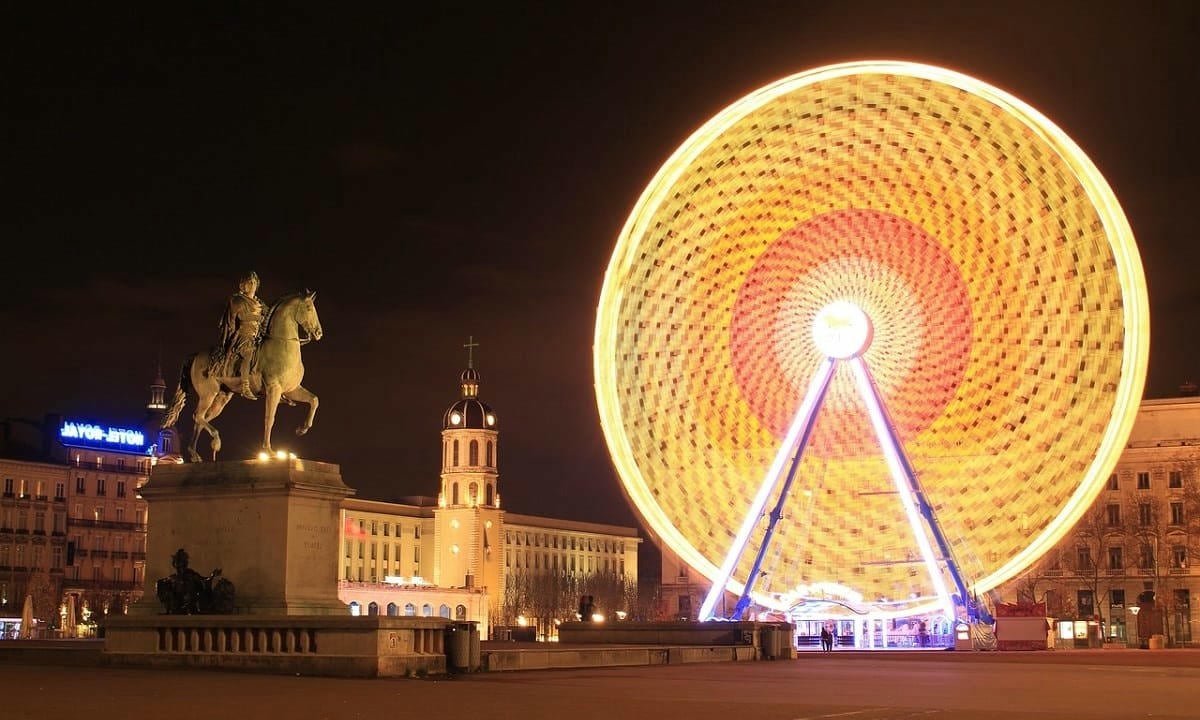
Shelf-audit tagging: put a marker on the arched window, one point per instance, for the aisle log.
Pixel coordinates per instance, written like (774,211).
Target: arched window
(489,453)
(460,612)
(426,610)
(444,611)
(454,494)
(491,499)
(473,494)
(410,610)
(445,454)
(473,453)
(392,610)
(354,608)
(455,454)
(373,609)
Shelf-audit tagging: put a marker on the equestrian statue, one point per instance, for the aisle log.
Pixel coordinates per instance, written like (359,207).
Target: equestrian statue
(259,356)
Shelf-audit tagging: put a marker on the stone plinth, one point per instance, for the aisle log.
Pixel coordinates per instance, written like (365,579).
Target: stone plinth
(271,526)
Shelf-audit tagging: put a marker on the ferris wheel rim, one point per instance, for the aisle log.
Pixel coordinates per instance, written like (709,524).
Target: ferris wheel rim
(1117,232)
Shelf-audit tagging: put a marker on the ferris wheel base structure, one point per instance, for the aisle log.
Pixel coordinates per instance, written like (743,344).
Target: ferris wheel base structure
(870,282)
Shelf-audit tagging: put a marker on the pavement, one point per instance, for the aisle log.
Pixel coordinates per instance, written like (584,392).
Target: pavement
(843,685)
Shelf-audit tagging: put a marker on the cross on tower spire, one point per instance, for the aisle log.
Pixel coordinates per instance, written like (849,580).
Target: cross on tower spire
(470,346)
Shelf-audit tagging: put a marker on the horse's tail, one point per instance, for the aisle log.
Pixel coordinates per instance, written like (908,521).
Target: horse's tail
(181,391)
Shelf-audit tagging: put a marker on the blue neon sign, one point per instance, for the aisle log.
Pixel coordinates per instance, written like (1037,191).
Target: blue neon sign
(75,433)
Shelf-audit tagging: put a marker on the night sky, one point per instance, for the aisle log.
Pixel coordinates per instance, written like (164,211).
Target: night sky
(442,173)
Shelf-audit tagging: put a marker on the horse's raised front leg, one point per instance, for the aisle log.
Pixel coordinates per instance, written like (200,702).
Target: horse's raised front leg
(273,392)
(304,395)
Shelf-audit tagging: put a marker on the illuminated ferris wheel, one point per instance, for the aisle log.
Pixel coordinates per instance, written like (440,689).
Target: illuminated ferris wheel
(875,334)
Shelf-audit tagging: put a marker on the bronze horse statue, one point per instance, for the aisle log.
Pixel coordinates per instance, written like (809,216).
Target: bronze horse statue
(275,373)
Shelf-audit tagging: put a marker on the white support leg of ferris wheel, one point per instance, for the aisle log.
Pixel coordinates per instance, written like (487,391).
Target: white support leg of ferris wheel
(803,420)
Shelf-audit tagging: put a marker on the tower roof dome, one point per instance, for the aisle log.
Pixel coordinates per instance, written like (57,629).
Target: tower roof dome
(469,413)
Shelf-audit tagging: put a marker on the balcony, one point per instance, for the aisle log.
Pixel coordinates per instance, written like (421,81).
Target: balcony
(107,524)
(138,556)
(100,553)
(120,555)
(125,469)
(113,585)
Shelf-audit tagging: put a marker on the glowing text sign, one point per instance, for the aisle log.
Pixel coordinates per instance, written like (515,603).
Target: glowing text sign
(83,434)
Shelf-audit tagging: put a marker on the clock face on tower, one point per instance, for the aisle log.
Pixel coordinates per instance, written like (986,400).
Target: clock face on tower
(841,330)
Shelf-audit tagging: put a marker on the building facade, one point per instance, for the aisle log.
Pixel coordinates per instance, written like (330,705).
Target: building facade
(503,568)
(1141,534)
(72,526)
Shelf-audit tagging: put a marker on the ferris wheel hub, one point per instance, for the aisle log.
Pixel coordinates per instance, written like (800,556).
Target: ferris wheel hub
(841,330)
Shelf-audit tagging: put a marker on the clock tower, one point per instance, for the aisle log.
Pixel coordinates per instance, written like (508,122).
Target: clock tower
(468,520)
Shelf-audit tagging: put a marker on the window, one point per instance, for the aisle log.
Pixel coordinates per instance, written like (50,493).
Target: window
(373,551)
(416,556)
(360,550)
(1116,559)
(56,555)
(374,527)
(488,454)
(386,547)
(39,522)
(1177,513)
(454,455)
(387,529)
(1146,557)
(454,494)
(417,532)
(100,486)
(8,486)
(491,498)
(1114,514)
(473,453)
(1145,514)
(348,576)
(121,488)
(1084,558)
(60,490)
(1116,598)
(473,494)
(1143,481)
(1175,479)
(79,486)
(1179,557)
(120,514)
(1086,603)
(139,516)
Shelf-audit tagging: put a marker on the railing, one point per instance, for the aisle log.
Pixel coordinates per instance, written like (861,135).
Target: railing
(120,555)
(137,556)
(100,553)
(108,524)
(127,469)
(101,585)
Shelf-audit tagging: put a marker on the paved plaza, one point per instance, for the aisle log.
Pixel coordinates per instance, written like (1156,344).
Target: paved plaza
(1080,685)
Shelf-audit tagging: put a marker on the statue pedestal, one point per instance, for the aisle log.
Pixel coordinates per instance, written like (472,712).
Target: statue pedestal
(271,526)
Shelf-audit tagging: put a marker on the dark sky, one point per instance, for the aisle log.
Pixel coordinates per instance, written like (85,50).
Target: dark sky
(439,173)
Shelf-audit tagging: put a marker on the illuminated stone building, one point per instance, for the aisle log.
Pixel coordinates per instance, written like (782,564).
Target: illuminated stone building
(421,548)
(1141,533)
(71,522)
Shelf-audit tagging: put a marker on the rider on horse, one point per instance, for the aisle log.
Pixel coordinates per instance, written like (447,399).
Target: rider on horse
(240,328)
